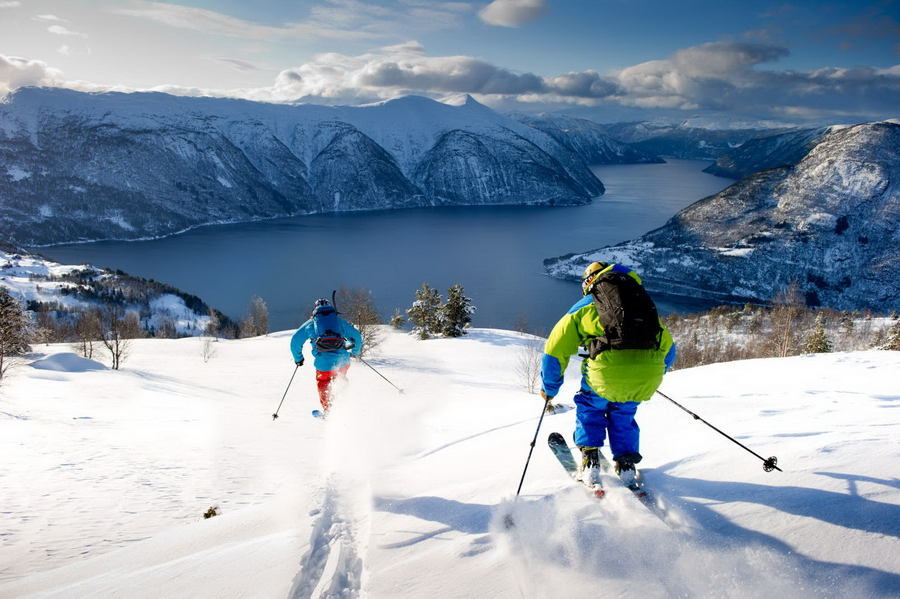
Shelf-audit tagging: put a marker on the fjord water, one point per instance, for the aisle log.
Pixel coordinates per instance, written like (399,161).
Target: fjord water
(495,253)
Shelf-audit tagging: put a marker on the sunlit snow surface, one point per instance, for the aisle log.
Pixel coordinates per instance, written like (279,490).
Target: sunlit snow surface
(106,476)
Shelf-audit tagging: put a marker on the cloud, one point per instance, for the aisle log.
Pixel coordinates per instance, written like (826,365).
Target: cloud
(512,13)
(60,30)
(725,77)
(10,4)
(18,72)
(242,65)
(215,23)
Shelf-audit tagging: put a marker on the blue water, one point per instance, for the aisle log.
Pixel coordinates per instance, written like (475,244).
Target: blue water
(495,253)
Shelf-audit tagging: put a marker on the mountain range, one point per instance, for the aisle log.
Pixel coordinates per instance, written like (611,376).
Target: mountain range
(80,166)
(830,223)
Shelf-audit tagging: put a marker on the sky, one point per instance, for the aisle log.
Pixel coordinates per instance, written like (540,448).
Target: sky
(792,61)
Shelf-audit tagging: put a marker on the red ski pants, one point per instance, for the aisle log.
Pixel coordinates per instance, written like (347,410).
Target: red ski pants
(324,379)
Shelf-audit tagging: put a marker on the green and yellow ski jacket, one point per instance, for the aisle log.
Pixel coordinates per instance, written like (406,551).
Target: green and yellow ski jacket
(617,375)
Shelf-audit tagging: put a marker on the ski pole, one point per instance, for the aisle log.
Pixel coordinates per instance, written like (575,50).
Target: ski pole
(275,415)
(379,374)
(533,441)
(768,464)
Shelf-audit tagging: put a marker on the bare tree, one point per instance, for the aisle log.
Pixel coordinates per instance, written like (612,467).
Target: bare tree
(212,325)
(256,322)
(358,307)
(787,312)
(207,349)
(117,328)
(87,333)
(528,363)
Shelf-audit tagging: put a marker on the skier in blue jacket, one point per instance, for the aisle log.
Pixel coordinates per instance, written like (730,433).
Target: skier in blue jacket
(333,341)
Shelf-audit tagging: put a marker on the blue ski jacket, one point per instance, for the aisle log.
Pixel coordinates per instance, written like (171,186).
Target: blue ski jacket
(325,361)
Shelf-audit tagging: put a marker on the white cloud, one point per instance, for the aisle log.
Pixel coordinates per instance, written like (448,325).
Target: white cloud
(18,72)
(512,13)
(60,30)
(215,23)
(48,18)
(10,4)
(717,76)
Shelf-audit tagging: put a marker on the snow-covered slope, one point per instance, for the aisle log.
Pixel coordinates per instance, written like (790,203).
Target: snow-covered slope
(107,474)
(831,223)
(767,151)
(79,166)
(588,139)
(67,290)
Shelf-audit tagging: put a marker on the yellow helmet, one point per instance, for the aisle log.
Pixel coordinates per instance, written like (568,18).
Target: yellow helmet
(590,274)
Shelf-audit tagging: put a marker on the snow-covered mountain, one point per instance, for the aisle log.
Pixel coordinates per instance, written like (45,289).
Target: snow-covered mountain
(588,139)
(79,166)
(107,475)
(687,140)
(831,223)
(770,151)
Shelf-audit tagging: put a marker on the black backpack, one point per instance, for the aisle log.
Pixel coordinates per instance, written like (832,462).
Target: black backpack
(627,313)
(325,321)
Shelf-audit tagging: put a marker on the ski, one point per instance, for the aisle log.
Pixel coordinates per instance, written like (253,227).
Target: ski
(318,414)
(561,450)
(637,489)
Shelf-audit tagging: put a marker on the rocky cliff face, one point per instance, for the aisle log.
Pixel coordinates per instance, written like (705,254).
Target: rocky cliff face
(76,166)
(831,223)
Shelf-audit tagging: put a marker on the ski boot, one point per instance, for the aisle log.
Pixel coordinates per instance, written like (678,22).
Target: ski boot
(627,472)
(589,473)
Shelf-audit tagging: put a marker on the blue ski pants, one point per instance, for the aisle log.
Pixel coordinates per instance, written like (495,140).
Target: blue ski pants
(596,417)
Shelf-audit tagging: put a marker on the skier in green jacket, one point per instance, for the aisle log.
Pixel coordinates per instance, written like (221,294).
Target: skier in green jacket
(613,382)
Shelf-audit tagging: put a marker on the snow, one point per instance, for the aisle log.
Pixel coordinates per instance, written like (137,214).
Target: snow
(17,173)
(24,277)
(107,474)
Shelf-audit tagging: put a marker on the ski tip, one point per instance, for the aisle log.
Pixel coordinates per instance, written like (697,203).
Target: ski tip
(318,414)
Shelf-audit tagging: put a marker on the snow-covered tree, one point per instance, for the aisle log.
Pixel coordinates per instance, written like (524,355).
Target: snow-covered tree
(893,338)
(818,342)
(397,319)
(456,314)
(13,329)
(424,314)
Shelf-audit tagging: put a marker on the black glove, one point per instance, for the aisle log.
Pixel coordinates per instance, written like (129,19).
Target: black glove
(299,362)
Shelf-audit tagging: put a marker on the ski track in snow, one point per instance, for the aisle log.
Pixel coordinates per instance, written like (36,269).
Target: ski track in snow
(333,566)
(405,497)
